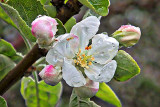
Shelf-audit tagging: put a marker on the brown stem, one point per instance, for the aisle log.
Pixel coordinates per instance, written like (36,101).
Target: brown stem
(64,13)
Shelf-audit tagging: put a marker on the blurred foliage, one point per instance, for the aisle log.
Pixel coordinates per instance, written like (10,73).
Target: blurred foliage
(48,96)
(107,94)
(3,102)
(143,90)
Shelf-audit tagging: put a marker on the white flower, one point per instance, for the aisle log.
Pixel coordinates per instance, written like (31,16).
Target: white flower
(80,57)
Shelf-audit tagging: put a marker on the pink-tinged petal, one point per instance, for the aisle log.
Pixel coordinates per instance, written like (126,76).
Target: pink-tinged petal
(89,90)
(67,45)
(130,28)
(51,75)
(44,28)
(127,35)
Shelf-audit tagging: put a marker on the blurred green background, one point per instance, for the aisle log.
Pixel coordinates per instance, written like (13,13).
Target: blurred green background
(141,91)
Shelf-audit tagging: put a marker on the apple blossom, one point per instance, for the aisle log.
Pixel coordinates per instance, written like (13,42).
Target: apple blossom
(81,61)
(51,75)
(44,28)
(127,35)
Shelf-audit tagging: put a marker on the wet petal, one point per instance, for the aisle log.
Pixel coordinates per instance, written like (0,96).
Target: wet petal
(71,75)
(104,48)
(67,45)
(106,72)
(89,90)
(54,58)
(85,30)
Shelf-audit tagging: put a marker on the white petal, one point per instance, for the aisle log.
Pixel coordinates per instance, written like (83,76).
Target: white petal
(71,75)
(106,72)
(67,45)
(104,48)
(54,58)
(85,30)
(89,90)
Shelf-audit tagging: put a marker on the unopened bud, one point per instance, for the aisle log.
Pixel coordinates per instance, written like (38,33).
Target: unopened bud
(127,35)
(44,28)
(89,90)
(51,75)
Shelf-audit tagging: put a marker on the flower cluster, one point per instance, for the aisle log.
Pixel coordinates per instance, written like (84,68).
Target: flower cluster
(85,58)
(82,57)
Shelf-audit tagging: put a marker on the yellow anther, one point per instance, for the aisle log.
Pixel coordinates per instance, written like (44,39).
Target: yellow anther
(89,47)
(92,58)
(69,38)
(90,63)
(79,50)
(83,55)
(75,61)
(86,48)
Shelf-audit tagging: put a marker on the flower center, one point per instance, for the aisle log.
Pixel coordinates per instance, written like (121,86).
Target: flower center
(82,59)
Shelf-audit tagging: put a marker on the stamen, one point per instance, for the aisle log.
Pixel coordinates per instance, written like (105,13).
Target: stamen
(88,47)
(90,63)
(83,55)
(83,60)
(92,59)
(69,38)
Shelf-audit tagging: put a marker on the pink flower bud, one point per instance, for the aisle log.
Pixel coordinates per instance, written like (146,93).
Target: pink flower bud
(51,75)
(89,90)
(127,35)
(44,28)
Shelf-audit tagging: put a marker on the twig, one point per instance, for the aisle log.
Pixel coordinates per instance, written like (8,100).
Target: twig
(65,11)
(17,73)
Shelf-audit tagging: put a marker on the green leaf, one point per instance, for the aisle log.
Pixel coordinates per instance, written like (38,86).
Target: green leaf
(107,94)
(89,12)
(76,101)
(6,18)
(99,6)
(48,95)
(69,24)
(3,102)
(28,10)
(19,22)
(8,50)
(60,27)
(51,10)
(6,65)
(127,67)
